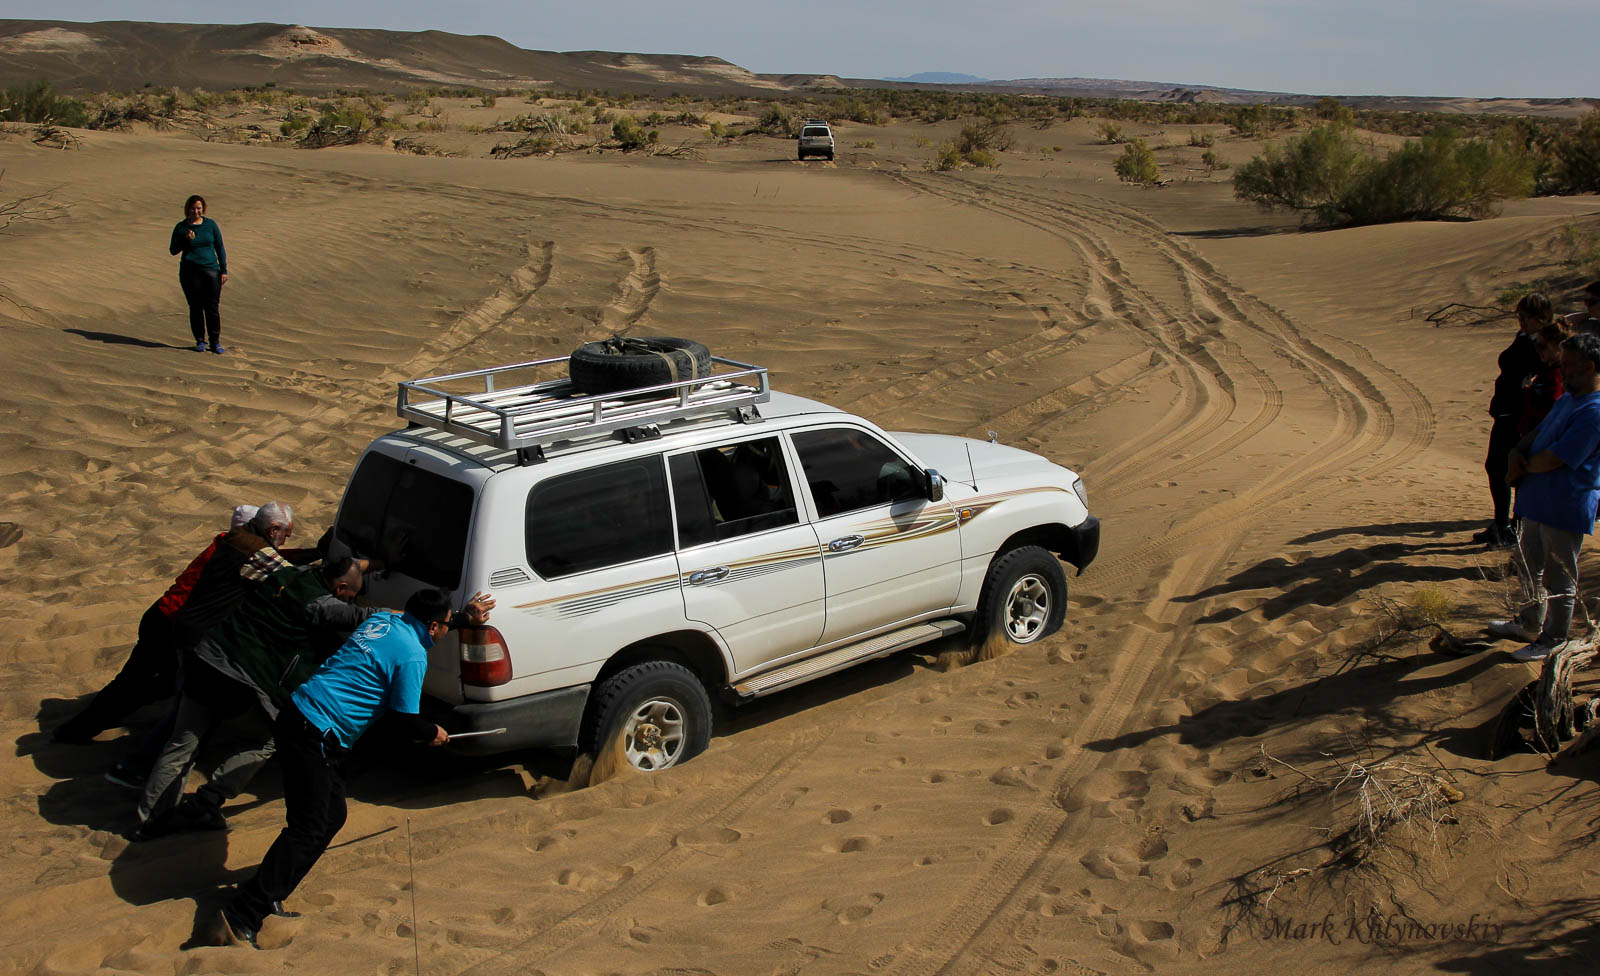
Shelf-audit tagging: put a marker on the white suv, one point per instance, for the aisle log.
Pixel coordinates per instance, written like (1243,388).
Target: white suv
(650,547)
(816,139)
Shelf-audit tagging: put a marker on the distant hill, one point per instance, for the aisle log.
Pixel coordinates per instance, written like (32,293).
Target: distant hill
(125,55)
(941,78)
(121,55)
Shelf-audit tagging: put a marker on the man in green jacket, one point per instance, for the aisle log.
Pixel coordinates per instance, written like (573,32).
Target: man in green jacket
(235,680)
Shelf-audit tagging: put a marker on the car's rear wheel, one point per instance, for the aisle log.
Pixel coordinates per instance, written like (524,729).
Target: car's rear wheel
(1024,596)
(655,715)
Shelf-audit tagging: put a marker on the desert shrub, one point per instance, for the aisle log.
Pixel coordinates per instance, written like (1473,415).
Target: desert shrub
(117,113)
(630,135)
(718,131)
(923,142)
(867,144)
(688,118)
(981,158)
(39,103)
(1327,175)
(654,118)
(603,117)
(1110,133)
(291,127)
(1137,164)
(949,157)
(778,121)
(1200,139)
(1576,167)
(487,100)
(342,125)
(417,101)
(988,136)
(1211,161)
(1333,110)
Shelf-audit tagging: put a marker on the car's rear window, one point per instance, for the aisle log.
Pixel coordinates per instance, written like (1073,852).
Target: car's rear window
(814,130)
(604,516)
(414,520)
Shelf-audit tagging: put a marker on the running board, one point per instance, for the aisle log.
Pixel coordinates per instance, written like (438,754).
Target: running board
(816,667)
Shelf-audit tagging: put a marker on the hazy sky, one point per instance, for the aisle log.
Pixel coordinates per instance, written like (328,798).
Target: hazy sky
(1546,48)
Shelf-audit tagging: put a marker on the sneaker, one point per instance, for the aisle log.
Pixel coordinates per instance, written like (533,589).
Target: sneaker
(199,347)
(1513,630)
(281,912)
(126,774)
(218,350)
(1488,534)
(234,931)
(1533,652)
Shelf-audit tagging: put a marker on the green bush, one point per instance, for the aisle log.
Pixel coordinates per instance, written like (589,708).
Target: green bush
(867,144)
(1211,161)
(1577,158)
(982,158)
(39,103)
(778,121)
(631,136)
(1110,133)
(949,158)
(1327,175)
(987,137)
(1200,139)
(1333,110)
(293,126)
(1137,164)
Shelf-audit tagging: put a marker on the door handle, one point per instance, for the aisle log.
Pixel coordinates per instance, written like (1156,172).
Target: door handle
(704,576)
(846,543)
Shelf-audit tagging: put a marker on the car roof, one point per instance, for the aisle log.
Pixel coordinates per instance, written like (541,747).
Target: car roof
(781,406)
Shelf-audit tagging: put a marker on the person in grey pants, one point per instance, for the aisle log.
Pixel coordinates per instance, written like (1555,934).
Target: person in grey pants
(1556,471)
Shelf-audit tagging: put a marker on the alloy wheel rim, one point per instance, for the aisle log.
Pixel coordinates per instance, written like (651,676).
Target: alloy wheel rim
(654,734)
(1027,609)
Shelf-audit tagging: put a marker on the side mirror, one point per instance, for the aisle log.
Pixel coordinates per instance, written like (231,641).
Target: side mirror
(935,483)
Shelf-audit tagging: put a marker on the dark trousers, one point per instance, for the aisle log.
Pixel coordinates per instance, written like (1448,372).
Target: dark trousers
(150,674)
(1503,437)
(313,799)
(202,289)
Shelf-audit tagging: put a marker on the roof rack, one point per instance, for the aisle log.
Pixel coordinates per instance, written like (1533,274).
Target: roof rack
(531,416)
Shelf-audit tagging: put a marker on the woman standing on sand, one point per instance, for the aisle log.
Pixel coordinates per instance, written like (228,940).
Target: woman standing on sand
(1518,360)
(202,271)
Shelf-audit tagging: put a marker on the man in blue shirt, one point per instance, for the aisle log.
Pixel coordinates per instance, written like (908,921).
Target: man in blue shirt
(378,670)
(1556,470)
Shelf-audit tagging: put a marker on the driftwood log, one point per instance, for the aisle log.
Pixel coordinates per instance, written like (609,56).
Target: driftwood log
(1545,706)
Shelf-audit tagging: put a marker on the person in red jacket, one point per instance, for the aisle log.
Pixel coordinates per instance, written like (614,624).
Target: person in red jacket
(151,671)
(1543,388)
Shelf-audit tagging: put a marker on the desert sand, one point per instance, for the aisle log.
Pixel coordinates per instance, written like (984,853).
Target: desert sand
(1269,429)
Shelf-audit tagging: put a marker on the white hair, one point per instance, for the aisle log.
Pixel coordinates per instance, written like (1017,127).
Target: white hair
(242,514)
(271,514)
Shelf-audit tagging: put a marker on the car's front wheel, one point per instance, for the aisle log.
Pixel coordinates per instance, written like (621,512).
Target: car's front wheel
(656,715)
(1024,597)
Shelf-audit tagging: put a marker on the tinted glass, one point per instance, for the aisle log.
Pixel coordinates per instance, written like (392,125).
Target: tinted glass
(415,520)
(732,490)
(850,469)
(601,517)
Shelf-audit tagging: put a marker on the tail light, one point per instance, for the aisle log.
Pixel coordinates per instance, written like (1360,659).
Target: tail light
(485,659)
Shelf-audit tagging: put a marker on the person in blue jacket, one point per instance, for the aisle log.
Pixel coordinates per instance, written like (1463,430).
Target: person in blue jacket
(202,271)
(377,671)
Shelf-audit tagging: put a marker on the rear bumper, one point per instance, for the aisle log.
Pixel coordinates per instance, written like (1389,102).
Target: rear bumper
(1085,543)
(548,720)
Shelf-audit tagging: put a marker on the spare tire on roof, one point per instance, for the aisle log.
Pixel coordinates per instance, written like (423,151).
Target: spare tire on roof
(619,363)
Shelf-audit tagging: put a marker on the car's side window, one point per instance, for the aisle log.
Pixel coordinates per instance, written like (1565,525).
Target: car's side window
(849,469)
(731,490)
(604,516)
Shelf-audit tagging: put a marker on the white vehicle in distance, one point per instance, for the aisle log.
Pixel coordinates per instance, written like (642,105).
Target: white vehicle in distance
(816,139)
(670,528)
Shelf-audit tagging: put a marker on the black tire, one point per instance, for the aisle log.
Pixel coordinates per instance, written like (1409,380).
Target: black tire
(801,157)
(642,702)
(626,364)
(830,155)
(1024,596)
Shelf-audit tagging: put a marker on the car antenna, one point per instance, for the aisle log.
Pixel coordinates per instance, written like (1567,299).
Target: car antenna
(971,468)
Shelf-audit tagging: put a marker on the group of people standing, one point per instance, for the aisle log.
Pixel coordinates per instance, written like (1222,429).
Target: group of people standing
(1544,443)
(263,650)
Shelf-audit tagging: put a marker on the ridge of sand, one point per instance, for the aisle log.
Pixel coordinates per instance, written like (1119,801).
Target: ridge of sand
(47,39)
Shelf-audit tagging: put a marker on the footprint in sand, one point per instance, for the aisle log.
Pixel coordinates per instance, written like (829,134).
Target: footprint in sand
(999,816)
(850,909)
(707,837)
(851,845)
(594,878)
(837,816)
(10,533)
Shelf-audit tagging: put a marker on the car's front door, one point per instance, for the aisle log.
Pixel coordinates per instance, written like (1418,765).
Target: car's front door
(748,563)
(889,554)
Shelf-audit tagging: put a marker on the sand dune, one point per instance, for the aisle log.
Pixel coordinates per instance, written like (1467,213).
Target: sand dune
(1269,434)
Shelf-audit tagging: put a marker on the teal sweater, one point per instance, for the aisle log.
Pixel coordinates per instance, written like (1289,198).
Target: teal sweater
(206,250)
